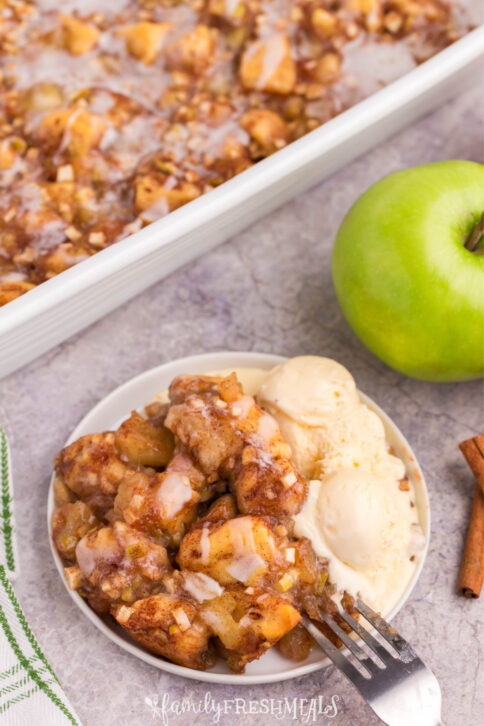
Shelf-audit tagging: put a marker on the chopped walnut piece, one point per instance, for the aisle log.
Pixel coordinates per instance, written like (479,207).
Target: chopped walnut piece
(327,69)
(26,257)
(65,173)
(73,576)
(8,216)
(72,233)
(392,22)
(123,613)
(289,480)
(97,239)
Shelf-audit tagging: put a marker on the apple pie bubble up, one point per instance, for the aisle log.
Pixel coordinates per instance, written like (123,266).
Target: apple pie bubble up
(113,113)
(193,527)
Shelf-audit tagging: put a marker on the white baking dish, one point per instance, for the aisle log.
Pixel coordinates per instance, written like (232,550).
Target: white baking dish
(60,307)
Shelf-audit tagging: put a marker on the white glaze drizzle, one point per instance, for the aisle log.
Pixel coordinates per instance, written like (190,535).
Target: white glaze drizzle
(201,586)
(173,493)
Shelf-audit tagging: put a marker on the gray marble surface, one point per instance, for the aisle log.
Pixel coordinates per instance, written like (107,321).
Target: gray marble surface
(269,289)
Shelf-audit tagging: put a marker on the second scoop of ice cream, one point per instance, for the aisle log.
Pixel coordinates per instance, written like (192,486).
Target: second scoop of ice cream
(357,517)
(368,531)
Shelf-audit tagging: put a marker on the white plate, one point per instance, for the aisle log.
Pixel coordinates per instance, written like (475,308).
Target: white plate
(134,394)
(69,302)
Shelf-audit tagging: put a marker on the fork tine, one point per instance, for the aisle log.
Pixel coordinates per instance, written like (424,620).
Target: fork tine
(334,654)
(371,641)
(403,692)
(358,652)
(386,631)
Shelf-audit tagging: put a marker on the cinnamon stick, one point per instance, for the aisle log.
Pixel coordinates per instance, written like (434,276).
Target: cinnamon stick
(473,450)
(472,568)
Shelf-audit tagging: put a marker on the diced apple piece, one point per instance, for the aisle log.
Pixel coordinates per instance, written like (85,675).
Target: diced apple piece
(267,65)
(323,22)
(242,549)
(145,40)
(12,289)
(78,37)
(248,621)
(42,97)
(194,51)
(143,442)
(362,6)
(85,130)
(266,128)
(169,626)
(7,155)
(150,189)
(69,525)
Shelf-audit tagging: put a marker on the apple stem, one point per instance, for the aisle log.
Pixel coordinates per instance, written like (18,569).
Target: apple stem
(475,237)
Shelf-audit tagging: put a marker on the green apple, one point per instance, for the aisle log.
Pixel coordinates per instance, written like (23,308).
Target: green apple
(408,270)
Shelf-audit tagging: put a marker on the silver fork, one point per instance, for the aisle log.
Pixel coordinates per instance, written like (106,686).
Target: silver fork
(397,685)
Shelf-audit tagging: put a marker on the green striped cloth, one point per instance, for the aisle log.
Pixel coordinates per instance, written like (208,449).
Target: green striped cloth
(30,693)
(8,548)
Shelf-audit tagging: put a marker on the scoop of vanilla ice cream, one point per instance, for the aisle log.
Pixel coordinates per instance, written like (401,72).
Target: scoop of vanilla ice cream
(319,412)
(310,390)
(357,517)
(368,530)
